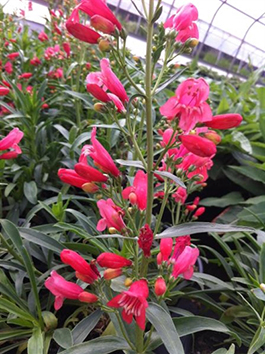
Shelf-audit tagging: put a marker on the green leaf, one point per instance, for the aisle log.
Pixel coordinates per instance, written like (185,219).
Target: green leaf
(223,106)
(262,264)
(164,326)
(231,350)
(169,81)
(102,345)
(84,327)
(30,191)
(258,341)
(63,337)
(211,281)
(240,139)
(172,177)
(13,233)
(201,227)
(193,324)
(10,307)
(232,198)
(259,294)
(41,239)
(82,96)
(6,334)
(250,172)
(131,163)
(35,343)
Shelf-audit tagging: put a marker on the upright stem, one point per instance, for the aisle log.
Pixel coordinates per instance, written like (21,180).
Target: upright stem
(149,121)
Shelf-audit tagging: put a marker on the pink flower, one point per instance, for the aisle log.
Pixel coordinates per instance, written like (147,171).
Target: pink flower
(225,121)
(4,91)
(202,165)
(99,82)
(183,23)
(43,37)
(137,194)
(168,136)
(11,142)
(181,243)
(180,195)
(111,215)
(13,56)
(8,67)
(25,76)
(189,104)
(35,61)
(79,31)
(185,263)
(71,177)
(146,240)
(80,265)
(198,145)
(67,49)
(89,173)
(99,154)
(166,245)
(112,260)
(62,289)
(133,301)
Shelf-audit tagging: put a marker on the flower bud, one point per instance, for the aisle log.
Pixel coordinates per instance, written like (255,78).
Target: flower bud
(112,260)
(128,282)
(102,24)
(213,136)
(49,320)
(198,146)
(87,297)
(100,107)
(262,287)
(199,211)
(160,286)
(104,45)
(112,273)
(90,187)
(225,121)
(112,230)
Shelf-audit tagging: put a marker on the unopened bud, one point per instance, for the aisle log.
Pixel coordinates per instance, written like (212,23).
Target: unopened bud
(49,320)
(112,230)
(262,287)
(87,297)
(112,273)
(193,42)
(104,45)
(160,286)
(128,282)
(90,187)
(100,107)
(213,136)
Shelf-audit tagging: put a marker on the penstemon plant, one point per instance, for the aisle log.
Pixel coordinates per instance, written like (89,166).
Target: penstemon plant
(162,162)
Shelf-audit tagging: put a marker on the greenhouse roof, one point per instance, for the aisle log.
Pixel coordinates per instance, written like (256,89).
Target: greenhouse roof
(233,27)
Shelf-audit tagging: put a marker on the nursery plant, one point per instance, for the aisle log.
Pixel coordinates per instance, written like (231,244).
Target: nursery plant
(116,246)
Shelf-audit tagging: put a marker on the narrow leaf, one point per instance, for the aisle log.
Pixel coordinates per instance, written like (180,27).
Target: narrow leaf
(84,327)
(35,343)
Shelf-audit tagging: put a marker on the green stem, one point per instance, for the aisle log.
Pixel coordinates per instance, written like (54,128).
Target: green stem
(162,208)
(124,333)
(10,249)
(149,121)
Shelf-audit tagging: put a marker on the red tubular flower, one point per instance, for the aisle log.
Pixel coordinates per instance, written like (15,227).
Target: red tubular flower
(79,264)
(62,289)
(35,61)
(137,194)
(166,245)
(99,154)
(133,301)
(225,121)
(87,297)
(185,263)
(160,286)
(43,37)
(199,211)
(71,177)
(189,104)
(180,195)
(180,245)
(13,56)
(89,173)
(183,23)
(10,142)
(198,145)
(111,215)
(4,91)
(67,49)
(25,76)
(112,273)
(8,67)
(112,260)
(99,82)
(146,239)
(79,31)
(99,8)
